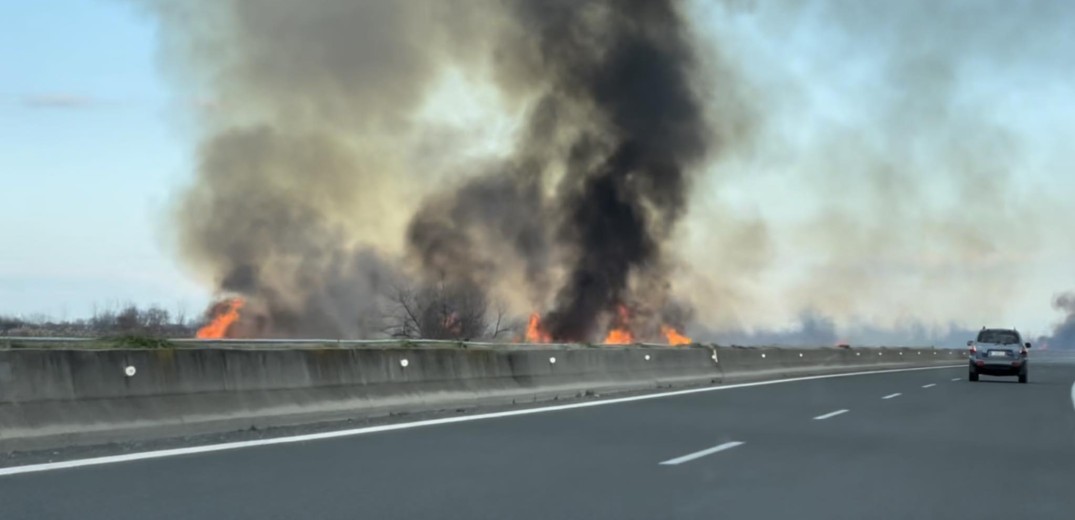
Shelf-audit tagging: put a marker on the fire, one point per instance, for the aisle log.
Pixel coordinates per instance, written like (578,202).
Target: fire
(674,336)
(619,337)
(225,314)
(535,333)
(620,334)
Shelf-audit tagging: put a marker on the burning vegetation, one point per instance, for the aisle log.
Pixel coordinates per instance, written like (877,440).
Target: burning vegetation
(621,332)
(304,202)
(222,316)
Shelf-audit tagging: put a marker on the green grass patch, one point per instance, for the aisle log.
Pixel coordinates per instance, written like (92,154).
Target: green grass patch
(136,341)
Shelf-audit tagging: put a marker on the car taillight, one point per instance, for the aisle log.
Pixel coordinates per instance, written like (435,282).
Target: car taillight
(1023,352)
(973,349)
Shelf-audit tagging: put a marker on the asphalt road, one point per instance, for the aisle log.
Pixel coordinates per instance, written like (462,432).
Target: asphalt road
(829,448)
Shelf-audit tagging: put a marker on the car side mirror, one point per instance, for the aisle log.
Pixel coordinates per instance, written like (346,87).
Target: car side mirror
(970,343)
(1027,345)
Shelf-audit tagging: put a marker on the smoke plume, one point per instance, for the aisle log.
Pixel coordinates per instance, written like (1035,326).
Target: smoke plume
(320,165)
(621,117)
(760,170)
(902,177)
(1063,335)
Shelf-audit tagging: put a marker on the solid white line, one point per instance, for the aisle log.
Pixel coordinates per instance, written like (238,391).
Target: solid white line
(956,378)
(929,385)
(699,454)
(16,470)
(1073,395)
(890,396)
(830,414)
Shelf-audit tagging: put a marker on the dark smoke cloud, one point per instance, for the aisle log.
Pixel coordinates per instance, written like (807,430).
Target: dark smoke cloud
(1063,335)
(622,116)
(318,167)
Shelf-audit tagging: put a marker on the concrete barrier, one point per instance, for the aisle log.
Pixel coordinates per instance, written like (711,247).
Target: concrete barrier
(61,396)
(748,363)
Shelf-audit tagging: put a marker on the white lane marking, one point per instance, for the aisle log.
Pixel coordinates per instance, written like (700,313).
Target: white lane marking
(699,454)
(1073,395)
(16,470)
(831,414)
(890,396)
(929,385)
(956,378)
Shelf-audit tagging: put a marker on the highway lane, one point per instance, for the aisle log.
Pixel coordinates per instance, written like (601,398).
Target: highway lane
(783,452)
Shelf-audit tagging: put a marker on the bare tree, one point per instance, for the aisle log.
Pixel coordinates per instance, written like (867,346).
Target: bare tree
(109,320)
(403,322)
(129,320)
(180,315)
(440,311)
(154,320)
(10,323)
(502,325)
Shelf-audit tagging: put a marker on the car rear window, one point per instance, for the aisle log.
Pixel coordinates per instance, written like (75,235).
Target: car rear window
(1001,337)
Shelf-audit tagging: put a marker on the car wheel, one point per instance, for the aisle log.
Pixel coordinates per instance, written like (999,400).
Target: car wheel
(973,376)
(1022,378)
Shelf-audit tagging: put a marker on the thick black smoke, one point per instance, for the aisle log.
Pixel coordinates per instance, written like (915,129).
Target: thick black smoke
(621,116)
(319,167)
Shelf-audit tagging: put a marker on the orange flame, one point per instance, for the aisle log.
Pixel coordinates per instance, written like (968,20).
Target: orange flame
(620,334)
(225,314)
(535,333)
(619,337)
(674,336)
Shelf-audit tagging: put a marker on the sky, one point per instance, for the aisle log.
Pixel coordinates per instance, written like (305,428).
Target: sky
(94,144)
(89,156)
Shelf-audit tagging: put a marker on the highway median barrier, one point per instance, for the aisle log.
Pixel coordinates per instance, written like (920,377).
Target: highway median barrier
(60,394)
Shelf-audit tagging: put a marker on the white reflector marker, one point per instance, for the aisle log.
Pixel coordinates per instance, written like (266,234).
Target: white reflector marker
(699,454)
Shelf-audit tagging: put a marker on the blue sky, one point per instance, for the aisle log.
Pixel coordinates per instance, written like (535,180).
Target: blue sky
(88,161)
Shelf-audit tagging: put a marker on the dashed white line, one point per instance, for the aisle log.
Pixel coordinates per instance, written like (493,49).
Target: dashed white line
(209,448)
(890,396)
(830,414)
(956,378)
(699,454)
(929,385)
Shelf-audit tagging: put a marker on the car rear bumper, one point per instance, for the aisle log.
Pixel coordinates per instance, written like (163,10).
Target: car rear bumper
(998,369)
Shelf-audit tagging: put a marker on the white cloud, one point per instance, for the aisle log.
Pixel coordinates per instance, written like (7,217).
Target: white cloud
(57,100)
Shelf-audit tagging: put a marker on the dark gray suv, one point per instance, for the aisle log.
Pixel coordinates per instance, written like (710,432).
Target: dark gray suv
(998,352)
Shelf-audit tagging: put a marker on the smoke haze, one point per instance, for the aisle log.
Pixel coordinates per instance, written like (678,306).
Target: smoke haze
(724,165)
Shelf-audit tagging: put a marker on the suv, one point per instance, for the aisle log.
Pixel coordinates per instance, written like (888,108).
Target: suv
(998,352)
